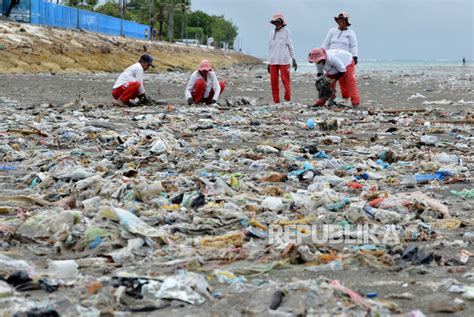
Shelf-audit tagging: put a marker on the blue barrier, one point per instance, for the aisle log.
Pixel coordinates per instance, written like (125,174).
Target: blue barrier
(20,12)
(46,13)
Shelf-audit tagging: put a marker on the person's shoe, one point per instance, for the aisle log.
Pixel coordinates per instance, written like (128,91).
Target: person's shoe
(320,102)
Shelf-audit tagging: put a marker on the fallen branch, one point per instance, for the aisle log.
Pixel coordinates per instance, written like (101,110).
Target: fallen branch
(35,130)
(397,110)
(466,121)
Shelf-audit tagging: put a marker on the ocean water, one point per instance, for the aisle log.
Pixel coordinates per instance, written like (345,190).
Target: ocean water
(396,65)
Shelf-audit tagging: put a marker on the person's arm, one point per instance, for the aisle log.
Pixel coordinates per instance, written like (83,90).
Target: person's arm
(338,75)
(327,40)
(216,86)
(320,69)
(354,46)
(269,50)
(190,87)
(291,49)
(289,43)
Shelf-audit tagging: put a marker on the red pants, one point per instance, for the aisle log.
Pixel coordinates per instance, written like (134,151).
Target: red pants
(126,92)
(348,86)
(285,78)
(200,89)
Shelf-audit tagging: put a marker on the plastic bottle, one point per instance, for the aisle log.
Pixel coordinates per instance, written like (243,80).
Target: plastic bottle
(335,265)
(447,158)
(371,175)
(310,124)
(63,270)
(371,211)
(383,215)
(7,168)
(273,203)
(412,180)
(429,139)
(235,137)
(159,147)
(322,155)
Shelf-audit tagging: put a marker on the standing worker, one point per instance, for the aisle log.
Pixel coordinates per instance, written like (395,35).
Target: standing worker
(463,61)
(203,85)
(129,85)
(343,38)
(338,65)
(281,55)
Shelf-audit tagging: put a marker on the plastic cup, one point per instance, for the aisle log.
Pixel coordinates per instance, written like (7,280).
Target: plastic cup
(63,270)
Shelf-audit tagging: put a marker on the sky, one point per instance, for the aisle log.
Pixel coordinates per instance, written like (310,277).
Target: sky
(386,29)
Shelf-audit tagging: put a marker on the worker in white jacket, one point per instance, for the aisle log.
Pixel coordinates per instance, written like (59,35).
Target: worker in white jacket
(342,37)
(281,55)
(129,84)
(203,85)
(339,66)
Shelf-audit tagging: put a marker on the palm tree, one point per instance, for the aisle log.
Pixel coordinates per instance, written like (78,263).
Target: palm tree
(185,6)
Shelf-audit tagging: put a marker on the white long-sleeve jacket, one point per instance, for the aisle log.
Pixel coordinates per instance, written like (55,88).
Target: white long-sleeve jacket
(211,84)
(345,40)
(281,51)
(336,62)
(132,73)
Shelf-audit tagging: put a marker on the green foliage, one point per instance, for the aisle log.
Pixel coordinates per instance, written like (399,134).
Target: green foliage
(200,25)
(213,26)
(109,8)
(73,3)
(92,3)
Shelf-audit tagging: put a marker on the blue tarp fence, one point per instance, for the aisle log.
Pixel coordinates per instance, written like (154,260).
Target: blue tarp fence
(50,14)
(20,13)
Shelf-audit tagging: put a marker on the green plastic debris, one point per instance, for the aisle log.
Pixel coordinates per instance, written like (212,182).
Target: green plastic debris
(94,236)
(338,205)
(466,193)
(346,167)
(35,182)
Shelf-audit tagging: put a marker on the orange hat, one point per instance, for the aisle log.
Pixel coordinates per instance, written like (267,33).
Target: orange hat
(278,16)
(205,65)
(343,15)
(316,55)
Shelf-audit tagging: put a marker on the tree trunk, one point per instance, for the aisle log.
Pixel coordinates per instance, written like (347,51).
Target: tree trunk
(170,21)
(161,17)
(182,23)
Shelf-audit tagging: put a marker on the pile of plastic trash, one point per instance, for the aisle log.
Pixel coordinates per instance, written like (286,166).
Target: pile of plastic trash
(156,208)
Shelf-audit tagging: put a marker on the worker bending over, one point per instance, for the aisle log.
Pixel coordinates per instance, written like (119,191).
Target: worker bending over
(203,86)
(129,84)
(338,65)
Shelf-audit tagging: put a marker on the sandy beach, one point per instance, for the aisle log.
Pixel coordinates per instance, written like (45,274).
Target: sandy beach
(224,141)
(442,86)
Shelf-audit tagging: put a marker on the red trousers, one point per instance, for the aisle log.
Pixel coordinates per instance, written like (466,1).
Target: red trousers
(126,92)
(285,78)
(200,89)
(348,86)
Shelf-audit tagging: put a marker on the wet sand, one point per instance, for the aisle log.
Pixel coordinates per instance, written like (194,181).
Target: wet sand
(377,88)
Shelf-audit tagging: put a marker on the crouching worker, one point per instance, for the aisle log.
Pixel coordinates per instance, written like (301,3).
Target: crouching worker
(129,85)
(338,65)
(203,86)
